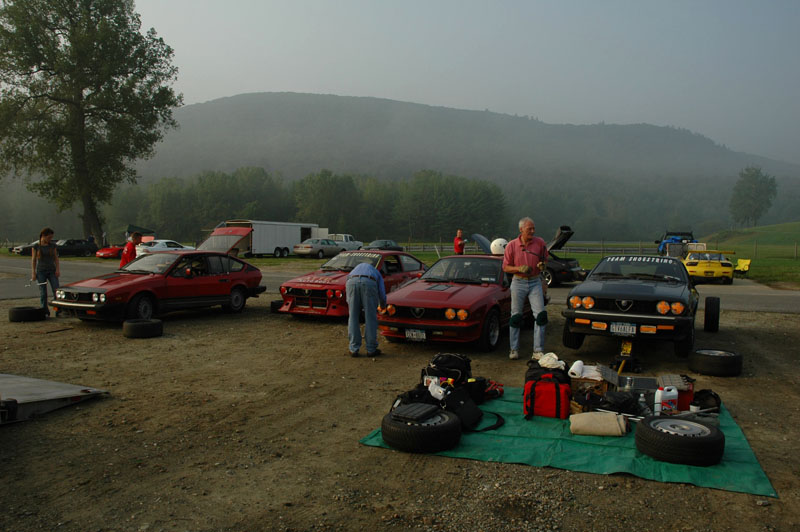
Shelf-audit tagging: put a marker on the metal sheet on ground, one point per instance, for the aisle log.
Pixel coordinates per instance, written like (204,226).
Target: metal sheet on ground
(35,397)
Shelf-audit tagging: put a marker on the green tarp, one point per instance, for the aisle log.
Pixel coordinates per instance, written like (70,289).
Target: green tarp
(548,442)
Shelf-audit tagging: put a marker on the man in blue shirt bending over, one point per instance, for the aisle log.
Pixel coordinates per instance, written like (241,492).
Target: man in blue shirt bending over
(365,290)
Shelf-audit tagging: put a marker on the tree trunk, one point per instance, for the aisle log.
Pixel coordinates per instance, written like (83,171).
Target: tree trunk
(92,224)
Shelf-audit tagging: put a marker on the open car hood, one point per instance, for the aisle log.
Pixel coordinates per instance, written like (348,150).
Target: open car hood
(225,239)
(563,234)
(482,242)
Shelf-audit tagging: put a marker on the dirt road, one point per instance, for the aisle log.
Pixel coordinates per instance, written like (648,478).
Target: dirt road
(252,422)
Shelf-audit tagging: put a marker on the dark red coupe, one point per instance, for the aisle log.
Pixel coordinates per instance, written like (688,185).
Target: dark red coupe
(461,298)
(161,282)
(323,292)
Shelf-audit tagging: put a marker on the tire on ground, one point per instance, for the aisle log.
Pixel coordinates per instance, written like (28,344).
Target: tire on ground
(141,328)
(17,314)
(490,335)
(439,432)
(716,363)
(711,319)
(680,441)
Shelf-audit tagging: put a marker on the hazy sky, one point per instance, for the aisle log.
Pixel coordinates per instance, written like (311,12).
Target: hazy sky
(727,69)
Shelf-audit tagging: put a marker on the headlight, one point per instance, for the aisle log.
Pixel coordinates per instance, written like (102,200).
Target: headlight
(678,308)
(390,310)
(462,314)
(450,314)
(587,302)
(575,302)
(95,298)
(59,294)
(662,307)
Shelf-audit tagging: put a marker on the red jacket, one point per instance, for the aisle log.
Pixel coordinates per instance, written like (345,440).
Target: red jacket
(128,254)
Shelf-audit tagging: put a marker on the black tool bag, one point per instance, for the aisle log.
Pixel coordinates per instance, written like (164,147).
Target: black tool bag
(535,372)
(461,404)
(448,366)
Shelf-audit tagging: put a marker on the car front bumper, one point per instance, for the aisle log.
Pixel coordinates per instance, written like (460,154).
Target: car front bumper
(91,311)
(631,326)
(436,331)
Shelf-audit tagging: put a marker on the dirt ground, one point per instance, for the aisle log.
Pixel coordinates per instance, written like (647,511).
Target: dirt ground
(251,422)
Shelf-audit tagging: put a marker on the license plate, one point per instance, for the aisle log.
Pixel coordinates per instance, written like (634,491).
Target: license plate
(709,274)
(623,329)
(415,335)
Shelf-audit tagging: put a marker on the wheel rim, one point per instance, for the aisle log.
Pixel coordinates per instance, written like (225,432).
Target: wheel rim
(435,419)
(680,427)
(494,330)
(547,277)
(144,309)
(320,254)
(237,298)
(715,353)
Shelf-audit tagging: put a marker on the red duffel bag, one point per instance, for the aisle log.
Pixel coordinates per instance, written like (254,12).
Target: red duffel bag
(546,397)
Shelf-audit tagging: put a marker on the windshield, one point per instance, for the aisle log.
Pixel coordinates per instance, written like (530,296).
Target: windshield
(639,267)
(464,270)
(706,256)
(155,263)
(348,261)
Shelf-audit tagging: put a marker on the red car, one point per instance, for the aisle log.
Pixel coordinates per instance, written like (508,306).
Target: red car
(171,280)
(461,298)
(110,252)
(323,292)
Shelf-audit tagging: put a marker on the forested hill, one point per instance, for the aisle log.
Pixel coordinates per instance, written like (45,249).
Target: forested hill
(296,134)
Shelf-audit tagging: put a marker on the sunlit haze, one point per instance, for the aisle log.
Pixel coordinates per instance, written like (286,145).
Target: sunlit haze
(727,69)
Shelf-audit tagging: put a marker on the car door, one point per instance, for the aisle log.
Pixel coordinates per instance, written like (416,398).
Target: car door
(190,284)
(393,274)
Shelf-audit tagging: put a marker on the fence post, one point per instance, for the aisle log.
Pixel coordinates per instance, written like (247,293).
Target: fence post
(755,249)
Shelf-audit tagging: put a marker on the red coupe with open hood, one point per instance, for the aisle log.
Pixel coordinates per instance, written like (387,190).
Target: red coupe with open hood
(322,292)
(156,283)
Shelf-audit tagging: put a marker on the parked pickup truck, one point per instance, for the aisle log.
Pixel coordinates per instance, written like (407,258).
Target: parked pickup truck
(347,242)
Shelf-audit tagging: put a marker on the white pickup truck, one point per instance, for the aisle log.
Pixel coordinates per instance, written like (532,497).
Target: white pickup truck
(347,242)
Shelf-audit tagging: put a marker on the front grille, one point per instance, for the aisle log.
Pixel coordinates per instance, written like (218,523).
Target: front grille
(638,307)
(77,297)
(419,313)
(308,298)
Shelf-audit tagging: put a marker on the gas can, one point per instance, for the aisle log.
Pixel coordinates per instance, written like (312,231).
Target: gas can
(666,400)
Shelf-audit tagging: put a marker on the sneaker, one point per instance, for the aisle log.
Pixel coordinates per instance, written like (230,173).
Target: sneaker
(354,355)
(375,353)
(514,354)
(537,355)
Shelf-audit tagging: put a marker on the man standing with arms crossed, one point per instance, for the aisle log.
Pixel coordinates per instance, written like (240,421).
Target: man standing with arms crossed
(526,257)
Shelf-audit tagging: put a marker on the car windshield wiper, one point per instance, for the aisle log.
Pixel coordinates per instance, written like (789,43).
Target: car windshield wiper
(435,279)
(609,275)
(466,280)
(654,277)
(136,271)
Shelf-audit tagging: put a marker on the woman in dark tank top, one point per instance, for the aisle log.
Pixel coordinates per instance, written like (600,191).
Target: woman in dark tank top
(45,266)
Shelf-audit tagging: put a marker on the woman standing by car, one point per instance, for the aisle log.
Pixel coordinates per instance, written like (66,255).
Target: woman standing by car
(44,266)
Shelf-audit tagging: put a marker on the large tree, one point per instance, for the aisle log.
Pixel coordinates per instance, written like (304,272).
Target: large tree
(83,94)
(752,195)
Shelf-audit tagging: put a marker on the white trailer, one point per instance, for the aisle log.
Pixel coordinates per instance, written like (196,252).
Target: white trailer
(275,238)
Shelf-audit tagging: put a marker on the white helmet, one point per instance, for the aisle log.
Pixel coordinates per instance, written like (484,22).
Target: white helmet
(499,246)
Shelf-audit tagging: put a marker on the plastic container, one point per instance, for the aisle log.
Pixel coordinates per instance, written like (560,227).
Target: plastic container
(666,400)
(644,410)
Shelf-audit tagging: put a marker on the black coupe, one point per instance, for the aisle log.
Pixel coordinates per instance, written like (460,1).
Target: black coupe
(635,297)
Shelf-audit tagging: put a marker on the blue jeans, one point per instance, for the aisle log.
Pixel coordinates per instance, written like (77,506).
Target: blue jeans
(531,289)
(42,279)
(362,293)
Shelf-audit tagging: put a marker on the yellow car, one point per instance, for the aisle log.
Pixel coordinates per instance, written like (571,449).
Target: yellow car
(709,265)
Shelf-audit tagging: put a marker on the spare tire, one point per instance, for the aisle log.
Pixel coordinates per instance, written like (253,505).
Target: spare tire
(680,441)
(711,316)
(141,328)
(16,314)
(716,362)
(439,432)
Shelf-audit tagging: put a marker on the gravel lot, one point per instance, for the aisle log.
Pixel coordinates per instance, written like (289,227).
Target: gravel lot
(252,422)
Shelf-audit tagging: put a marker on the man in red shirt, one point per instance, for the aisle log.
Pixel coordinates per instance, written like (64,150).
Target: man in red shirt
(129,251)
(458,243)
(526,257)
